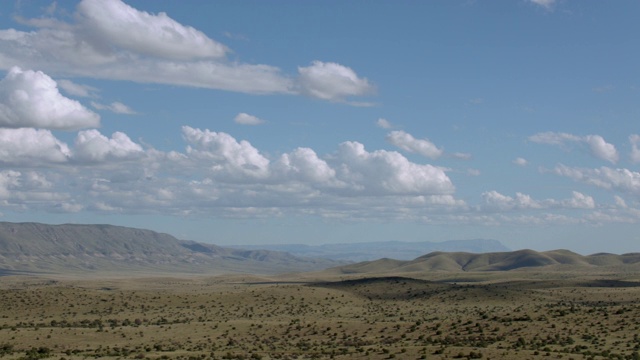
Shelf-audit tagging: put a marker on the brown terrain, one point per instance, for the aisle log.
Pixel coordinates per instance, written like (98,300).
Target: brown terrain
(508,305)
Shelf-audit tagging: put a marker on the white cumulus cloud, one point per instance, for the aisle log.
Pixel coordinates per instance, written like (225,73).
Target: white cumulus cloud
(579,201)
(246,119)
(388,172)
(109,39)
(496,201)
(598,147)
(31,99)
(114,23)
(332,81)
(601,149)
(28,147)
(623,180)
(225,154)
(91,145)
(219,175)
(408,143)
(304,164)
(9,180)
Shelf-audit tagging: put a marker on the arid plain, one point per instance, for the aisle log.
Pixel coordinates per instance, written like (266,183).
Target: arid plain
(552,312)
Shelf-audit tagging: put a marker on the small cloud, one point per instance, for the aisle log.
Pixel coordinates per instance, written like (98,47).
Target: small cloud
(51,9)
(410,144)
(384,124)
(603,89)
(461,156)
(234,36)
(596,143)
(361,103)
(553,138)
(120,108)
(74,89)
(635,151)
(520,161)
(476,101)
(498,201)
(473,172)
(246,119)
(116,107)
(620,201)
(331,81)
(602,149)
(547,4)
(579,201)
(102,206)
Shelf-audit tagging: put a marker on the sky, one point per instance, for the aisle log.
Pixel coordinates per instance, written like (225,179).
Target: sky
(314,122)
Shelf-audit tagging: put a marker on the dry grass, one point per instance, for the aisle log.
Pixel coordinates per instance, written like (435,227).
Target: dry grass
(517,314)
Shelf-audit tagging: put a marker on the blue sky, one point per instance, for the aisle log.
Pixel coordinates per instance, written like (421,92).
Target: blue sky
(248,122)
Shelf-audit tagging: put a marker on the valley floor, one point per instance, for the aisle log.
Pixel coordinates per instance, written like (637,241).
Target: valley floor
(494,317)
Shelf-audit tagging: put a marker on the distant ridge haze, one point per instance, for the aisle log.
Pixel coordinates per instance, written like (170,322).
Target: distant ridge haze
(35,247)
(366,251)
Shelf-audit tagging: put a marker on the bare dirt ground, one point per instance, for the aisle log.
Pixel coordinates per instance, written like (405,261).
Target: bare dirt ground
(507,315)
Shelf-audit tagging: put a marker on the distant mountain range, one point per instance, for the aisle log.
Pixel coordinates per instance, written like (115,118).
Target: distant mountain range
(100,249)
(366,251)
(34,247)
(496,261)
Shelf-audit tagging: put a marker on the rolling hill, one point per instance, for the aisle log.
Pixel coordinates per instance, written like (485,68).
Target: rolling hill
(496,261)
(35,247)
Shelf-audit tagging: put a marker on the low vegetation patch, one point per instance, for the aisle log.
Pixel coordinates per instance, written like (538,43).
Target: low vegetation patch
(368,318)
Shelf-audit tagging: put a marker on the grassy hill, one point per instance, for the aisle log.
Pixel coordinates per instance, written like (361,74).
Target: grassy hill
(496,261)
